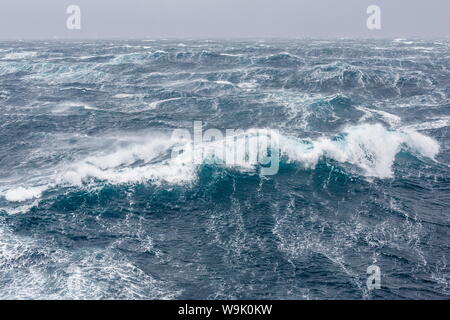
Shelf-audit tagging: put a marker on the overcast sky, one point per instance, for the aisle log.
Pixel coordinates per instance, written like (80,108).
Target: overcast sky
(21,19)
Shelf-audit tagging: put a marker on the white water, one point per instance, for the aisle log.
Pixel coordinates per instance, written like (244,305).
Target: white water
(22,194)
(371,148)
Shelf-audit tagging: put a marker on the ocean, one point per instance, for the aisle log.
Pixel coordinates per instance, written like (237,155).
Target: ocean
(95,204)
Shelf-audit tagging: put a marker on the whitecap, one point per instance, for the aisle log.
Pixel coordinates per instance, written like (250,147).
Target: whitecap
(159,159)
(21,194)
(20,55)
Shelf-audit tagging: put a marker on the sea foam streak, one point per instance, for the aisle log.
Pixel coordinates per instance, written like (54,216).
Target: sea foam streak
(370,147)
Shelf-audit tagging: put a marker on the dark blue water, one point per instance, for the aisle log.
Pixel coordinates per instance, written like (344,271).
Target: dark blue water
(93,206)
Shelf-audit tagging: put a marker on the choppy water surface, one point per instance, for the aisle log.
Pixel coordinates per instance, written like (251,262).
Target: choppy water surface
(92,206)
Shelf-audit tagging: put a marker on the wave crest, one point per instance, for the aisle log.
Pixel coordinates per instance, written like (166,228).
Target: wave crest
(369,148)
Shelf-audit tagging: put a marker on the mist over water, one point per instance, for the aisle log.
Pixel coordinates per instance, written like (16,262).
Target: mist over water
(93,205)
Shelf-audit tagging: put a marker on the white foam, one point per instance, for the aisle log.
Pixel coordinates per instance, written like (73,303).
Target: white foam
(154,105)
(128,95)
(65,106)
(223,82)
(369,148)
(435,124)
(130,164)
(19,55)
(21,194)
(85,273)
(247,85)
(15,209)
(392,119)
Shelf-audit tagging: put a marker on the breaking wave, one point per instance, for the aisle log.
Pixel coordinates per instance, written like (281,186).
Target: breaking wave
(371,148)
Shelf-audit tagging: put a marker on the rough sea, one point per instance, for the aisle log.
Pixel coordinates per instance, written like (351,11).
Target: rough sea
(93,205)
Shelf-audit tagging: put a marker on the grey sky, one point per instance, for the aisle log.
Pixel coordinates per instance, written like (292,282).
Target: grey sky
(223,18)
